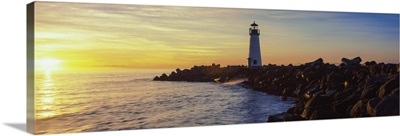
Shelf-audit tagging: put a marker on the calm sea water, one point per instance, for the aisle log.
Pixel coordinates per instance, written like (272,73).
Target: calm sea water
(96,101)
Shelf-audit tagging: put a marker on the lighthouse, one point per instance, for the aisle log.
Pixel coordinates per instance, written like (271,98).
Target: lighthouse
(254,59)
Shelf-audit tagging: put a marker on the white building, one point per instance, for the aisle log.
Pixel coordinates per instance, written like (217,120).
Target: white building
(254,59)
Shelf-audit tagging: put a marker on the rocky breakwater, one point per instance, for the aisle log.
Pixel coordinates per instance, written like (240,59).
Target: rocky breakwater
(323,90)
(213,73)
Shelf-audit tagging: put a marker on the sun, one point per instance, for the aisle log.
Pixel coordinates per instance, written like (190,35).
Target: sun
(48,64)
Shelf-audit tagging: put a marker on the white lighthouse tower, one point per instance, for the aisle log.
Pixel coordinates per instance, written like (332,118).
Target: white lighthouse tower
(254,59)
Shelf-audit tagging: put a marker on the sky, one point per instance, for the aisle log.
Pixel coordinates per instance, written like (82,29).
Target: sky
(109,36)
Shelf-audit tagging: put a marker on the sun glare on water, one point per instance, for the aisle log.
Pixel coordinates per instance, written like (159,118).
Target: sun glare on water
(45,93)
(48,64)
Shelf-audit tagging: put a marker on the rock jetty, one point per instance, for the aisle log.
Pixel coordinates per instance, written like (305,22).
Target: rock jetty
(323,90)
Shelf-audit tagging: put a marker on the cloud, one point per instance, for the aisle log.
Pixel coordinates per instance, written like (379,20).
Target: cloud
(166,34)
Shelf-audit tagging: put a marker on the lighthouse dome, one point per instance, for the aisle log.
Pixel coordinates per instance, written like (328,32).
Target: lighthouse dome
(254,24)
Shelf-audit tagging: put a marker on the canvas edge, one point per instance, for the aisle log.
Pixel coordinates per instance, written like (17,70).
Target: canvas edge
(30,57)
(30,125)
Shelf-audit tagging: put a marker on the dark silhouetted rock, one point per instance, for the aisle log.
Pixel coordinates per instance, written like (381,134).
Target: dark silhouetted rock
(163,77)
(307,112)
(371,88)
(283,98)
(358,110)
(325,114)
(319,61)
(288,91)
(354,61)
(316,102)
(370,63)
(311,89)
(371,104)
(389,105)
(342,106)
(178,70)
(298,108)
(389,86)
(284,117)
(330,93)
(335,77)
(395,91)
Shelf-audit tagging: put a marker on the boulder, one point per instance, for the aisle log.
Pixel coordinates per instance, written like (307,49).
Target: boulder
(342,106)
(156,78)
(325,114)
(358,110)
(340,96)
(316,102)
(178,70)
(335,77)
(283,98)
(389,105)
(291,110)
(307,112)
(284,117)
(317,62)
(372,86)
(297,109)
(395,91)
(298,91)
(163,77)
(330,93)
(311,89)
(370,63)
(288,91)
(371,104)
(389,86)
(352,62)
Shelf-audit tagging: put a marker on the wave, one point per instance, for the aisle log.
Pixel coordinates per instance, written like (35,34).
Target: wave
(234,82)
(141,79)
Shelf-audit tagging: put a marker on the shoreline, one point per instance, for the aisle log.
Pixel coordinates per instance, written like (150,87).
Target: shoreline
(323,90)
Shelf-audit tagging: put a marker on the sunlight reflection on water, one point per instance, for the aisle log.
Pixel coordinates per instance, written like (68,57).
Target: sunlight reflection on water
(74,102)
(45,96)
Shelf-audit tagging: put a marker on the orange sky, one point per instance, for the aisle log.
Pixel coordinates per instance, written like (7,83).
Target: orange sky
(103,36)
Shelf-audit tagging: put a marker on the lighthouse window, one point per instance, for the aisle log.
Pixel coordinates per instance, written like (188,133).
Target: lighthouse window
(254,61)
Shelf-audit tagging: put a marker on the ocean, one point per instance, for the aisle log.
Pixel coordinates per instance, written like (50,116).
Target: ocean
(125,100)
